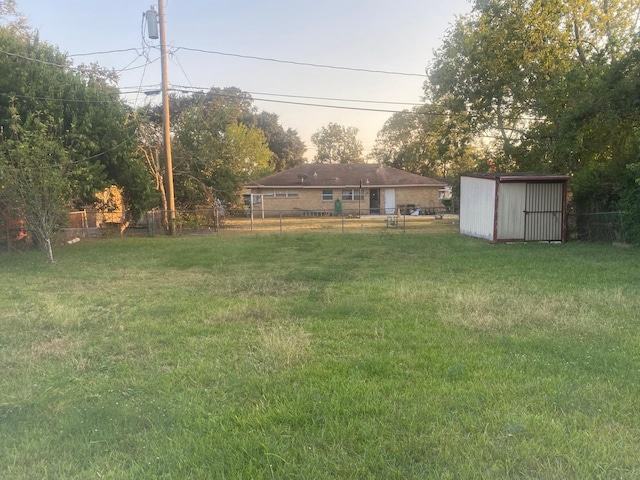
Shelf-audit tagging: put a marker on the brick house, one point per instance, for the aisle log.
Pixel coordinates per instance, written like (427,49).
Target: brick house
(328,189)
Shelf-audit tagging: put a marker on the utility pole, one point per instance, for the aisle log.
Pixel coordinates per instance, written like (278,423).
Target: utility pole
(166,119)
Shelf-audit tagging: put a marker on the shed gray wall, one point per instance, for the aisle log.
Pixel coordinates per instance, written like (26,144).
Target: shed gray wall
(511,206)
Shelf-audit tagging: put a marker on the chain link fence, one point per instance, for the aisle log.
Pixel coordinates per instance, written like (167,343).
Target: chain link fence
(595,227)
(598,227)
(217,222)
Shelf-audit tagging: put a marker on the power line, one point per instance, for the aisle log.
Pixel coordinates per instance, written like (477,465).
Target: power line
(321,105)
(51,99)
(43,62)
(267,59)
(305,104)
(304,64)
(60,65)
(105,152)
(153,89)
(106,52)
(199,89)
(147,63)
(177,62)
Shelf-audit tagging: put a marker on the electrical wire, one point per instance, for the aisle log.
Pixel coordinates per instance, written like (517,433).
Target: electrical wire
(50,99)
(174,55)
(304,64)
(320,105)
(105,152)
(304,104)
(80,160)
(43,62)
(147,63)
(265,59)
(135,102)
(201,89)
(125,69)
(106,52)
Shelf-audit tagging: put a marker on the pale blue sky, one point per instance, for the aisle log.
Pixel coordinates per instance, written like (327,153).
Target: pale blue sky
(397,35)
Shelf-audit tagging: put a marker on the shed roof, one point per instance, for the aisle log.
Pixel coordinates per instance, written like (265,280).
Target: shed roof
(318,175)
(520,177)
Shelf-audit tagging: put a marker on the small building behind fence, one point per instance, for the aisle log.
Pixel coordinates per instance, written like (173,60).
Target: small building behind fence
(514,208)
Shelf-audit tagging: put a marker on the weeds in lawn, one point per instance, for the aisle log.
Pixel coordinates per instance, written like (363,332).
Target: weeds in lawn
(320,356)
(282,345)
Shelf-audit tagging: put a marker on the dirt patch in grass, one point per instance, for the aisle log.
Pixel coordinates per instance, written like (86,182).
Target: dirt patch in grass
(486,309)
(57,347)
(281,346)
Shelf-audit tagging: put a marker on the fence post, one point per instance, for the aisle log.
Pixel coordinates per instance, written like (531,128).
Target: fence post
(280,222)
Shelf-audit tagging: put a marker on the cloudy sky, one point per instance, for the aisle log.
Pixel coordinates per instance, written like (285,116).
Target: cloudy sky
(383,35)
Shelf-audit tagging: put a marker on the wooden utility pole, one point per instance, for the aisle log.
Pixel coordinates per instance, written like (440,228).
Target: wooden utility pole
(166,120)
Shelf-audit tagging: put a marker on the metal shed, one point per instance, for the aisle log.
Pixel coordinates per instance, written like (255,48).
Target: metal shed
(514,208)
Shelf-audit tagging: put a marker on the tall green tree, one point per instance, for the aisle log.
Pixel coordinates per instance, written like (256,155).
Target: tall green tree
(427,141)
(520,69)
(214,153)
(286,146)
(80,109)
(35,178)
(337,144)
(12,19)
(221,142)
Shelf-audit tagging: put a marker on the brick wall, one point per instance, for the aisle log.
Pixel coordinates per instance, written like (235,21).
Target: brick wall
(310,199)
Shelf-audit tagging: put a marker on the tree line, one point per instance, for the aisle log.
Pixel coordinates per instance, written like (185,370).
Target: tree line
(515,86)
(66,135)
(533,86)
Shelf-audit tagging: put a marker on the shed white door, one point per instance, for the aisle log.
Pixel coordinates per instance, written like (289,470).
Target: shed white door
(389,201)
(477,207)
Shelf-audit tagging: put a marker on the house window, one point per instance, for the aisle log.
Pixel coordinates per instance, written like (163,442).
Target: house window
(327,195)
(280,193)
(352,194)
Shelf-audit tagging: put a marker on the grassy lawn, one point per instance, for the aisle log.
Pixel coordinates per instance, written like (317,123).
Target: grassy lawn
(313,356)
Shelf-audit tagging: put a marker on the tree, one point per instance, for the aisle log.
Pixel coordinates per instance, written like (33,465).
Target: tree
(216,154)
(286,146)
(65,136)
(220,143)
(150,143)
(520,69)
(551,87)
(34,176)
(337,144)
(12,19)
(81,109)
(427,141)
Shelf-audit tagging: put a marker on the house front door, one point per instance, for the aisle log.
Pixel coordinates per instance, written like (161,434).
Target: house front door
(389,201)
(374,201)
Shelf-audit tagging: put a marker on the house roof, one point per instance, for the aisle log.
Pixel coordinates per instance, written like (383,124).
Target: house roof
(319,175)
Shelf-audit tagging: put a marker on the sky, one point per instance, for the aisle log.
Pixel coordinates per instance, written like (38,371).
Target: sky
(389,35)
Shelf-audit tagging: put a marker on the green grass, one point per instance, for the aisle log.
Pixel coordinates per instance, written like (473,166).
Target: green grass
(317,356)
